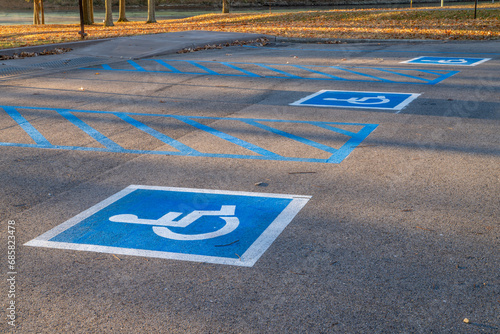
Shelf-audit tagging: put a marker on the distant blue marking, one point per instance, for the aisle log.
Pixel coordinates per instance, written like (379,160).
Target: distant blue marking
(310,68)
(357,99)
(336,129)
(201,67)
(89,130)
(227,137)
(365,50)
(435,72)
(292,136)
(93,149)
(279,71)
(170,67)
(136,66)
(447,61)
(26,126)
(362,74)
(158,135)
(402,74)
(337,154)
(322,73)
(351,144)
(442,77)
(250,74)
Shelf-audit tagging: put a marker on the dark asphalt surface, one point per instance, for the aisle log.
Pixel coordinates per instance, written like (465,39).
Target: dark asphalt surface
(402,236)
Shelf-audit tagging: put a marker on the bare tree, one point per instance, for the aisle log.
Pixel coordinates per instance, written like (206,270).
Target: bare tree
(122,17)
(108,22)
(151,12)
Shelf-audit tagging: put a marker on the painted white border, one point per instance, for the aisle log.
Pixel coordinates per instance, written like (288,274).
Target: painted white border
(482,60)
(398,108)
(248,259)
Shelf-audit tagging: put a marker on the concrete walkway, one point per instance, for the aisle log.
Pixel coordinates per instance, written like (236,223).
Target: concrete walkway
(135,47)
(114,49)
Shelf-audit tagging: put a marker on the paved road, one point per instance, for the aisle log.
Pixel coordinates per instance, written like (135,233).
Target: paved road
(371,210)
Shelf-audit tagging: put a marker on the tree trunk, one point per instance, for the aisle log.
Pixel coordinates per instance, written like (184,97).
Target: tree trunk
(42,11)
(36,12)
(122,17)
(88,12)
(108,22)
(225,6)
(91,11)
(151,12)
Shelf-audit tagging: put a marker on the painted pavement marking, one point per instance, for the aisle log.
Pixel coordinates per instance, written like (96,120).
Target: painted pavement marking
(281,71)
(365,100)
(216,226)
(344,50)
(455,61)
(350,135)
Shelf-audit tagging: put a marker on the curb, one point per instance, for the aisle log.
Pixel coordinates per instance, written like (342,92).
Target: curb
(248,37)
(166,50)
(278,39)
(40,48)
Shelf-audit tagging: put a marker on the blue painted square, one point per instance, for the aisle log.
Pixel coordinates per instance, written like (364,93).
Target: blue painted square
(456,61)
(217,226)
(366,100)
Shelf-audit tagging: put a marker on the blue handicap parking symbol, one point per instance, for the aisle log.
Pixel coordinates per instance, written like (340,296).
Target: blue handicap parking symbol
(201,225)
(457,61)
(366,100)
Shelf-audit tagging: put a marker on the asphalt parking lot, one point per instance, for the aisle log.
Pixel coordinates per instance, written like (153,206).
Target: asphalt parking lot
(279,188)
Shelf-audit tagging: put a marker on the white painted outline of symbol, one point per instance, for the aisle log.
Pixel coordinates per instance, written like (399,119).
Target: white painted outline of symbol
(446,61)
(361,100)
(160,226)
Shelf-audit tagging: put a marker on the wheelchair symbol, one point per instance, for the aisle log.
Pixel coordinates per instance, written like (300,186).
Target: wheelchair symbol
(448,61)
(362,100)
(160,226)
